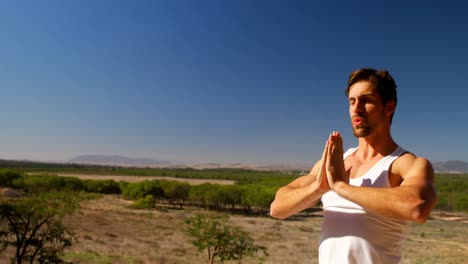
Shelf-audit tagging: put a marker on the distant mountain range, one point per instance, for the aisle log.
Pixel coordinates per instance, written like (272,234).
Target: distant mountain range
(118,161)
(451,166)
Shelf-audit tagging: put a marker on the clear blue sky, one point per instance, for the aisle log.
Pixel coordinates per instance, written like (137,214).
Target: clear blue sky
(224,81)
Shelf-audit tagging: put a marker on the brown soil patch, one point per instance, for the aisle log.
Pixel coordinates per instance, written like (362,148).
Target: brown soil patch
(450,216)
(109,232)
(10,193)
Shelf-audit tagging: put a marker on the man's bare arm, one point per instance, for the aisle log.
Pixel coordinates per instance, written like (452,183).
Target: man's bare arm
(413,200)
(302,193)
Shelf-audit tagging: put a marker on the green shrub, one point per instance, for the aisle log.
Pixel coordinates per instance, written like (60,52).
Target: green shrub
(147,202)
(452,191)
(102,186)
(197,193)
(258,197)
(39,183)
(7,177)
(73,184)
(33,228)
(219,238)
(176,192)
(141,189)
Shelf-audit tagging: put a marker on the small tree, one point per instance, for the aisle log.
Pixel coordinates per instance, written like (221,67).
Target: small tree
(33,226)
(176,192)
(7,177)
(219,238)
(143,203)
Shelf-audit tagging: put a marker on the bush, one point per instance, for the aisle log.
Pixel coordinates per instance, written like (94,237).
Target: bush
(214,198)
(102,186)
(452,192)
(258,197)
(176,192)
(220,238)
(197,193)
(39,183)
(232,195)
(452,201)
(147,202)
(73,184)
(141,189)
(7,177)
(46,183)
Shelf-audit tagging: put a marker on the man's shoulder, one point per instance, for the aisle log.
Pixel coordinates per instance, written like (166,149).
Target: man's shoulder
(408,159)
(409,164)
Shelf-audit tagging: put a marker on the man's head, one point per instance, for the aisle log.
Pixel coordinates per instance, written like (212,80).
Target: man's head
(381,85)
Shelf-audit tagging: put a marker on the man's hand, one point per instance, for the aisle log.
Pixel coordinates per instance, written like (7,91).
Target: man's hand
(305,191)
(335,168)
(321,174)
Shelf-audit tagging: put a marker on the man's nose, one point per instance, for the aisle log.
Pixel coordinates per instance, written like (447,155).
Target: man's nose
(358,107)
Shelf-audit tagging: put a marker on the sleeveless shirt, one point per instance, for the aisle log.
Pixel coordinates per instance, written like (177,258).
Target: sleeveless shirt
(352,235)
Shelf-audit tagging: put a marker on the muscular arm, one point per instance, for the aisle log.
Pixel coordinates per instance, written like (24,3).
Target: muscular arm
(302,193)
(413,200)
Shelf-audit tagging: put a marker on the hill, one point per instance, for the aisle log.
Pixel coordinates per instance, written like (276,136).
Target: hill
(451,166)
(116,160)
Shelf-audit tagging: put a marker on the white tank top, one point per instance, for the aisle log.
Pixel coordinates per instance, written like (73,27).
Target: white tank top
(352,235)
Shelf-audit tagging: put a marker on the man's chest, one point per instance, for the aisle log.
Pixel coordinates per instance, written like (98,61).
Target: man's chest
(357,168)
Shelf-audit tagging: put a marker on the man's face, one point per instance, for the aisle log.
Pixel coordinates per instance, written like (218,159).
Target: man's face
(365,108)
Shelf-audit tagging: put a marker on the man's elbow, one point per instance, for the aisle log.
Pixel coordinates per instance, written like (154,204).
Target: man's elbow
(423,209)
(419,217)
(275,213)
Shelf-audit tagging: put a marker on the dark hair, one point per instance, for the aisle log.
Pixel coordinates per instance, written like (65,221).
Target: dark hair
(381,79)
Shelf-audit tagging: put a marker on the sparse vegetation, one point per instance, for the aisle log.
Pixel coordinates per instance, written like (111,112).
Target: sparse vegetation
(241,176)
(33,226)
(452,190)
(246,196)
(254,196)
(144,203)
(220,239)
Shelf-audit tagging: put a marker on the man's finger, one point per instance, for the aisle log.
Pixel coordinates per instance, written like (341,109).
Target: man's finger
(340,144)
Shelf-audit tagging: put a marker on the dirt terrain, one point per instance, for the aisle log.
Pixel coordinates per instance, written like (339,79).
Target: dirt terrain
(109,232)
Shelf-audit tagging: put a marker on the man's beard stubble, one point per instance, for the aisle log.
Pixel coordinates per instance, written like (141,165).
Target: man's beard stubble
(362,131)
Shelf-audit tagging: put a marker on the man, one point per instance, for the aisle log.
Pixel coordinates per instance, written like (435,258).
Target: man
(371,193)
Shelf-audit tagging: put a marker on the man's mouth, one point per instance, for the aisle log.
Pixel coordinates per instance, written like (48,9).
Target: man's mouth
(357,121)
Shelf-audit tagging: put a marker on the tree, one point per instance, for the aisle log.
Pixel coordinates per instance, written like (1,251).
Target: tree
(198,193)
(33,226)
(7,177)
(176,192)
(259,197)
(146,202)
(102,186)
(220,238)
(232,194)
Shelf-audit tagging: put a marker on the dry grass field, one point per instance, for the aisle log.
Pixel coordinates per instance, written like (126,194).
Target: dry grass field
(109,232)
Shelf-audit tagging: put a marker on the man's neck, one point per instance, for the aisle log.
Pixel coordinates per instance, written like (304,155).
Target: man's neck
(370,147)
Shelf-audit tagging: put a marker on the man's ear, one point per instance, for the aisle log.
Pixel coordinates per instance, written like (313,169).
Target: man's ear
(390,108)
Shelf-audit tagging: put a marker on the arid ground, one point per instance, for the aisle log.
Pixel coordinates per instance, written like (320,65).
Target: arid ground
(109,232)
